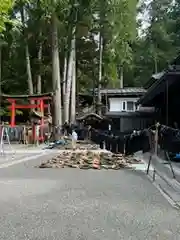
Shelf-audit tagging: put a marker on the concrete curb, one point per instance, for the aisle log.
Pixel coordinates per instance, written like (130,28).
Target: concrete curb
(165,193)
(169,188)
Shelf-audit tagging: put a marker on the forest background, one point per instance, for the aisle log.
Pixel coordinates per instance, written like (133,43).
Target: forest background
(74,46)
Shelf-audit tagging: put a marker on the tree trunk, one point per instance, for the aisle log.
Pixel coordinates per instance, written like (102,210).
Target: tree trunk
(64,77)
(100,72)
(64,84)
(154,46)
(68,86)
(28,63)
(28,68)
(57,118)
(78,103)
(155,64)
(94,94)
(39,80)
(121,77)
(73,84)
(0,65)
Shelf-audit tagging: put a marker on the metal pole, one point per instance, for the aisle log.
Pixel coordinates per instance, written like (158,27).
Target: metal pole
(167,103)
(2,142)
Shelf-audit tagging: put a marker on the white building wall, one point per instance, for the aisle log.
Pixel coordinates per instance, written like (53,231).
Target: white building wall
(116,104)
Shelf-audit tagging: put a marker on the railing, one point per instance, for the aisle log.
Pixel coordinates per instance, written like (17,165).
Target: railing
(14,133)
(19,133)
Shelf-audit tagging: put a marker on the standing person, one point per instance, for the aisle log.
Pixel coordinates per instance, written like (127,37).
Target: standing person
(66,129)
(109,127)
(89,132)
(74,139)
(37,132)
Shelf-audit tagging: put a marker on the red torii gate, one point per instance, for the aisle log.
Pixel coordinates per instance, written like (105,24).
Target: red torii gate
(39,103)
(38,100)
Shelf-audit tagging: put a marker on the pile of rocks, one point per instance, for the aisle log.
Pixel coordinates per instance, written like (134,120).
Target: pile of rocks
(89,160)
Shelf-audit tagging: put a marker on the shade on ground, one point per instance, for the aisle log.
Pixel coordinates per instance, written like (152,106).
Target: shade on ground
(70,204)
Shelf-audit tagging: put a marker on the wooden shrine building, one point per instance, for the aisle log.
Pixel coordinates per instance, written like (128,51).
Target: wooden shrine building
(163,93)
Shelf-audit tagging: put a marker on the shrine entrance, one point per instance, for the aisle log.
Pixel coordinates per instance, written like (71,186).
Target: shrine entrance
(36,102)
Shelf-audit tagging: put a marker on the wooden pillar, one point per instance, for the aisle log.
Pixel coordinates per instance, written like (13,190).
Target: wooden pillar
(156,139)
(42,119)
(13,113)
(34,133)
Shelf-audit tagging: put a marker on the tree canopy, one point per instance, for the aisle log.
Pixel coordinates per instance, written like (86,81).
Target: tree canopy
(5,6)
(26,42)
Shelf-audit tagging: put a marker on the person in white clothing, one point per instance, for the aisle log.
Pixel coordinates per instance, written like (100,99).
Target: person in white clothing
(74,139)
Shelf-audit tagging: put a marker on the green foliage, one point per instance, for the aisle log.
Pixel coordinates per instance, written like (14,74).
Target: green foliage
(6,112)
(140,56)
(160,43)
(121,17)
(5,6)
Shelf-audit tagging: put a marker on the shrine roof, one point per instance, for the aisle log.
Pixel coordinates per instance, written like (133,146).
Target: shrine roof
(11,96)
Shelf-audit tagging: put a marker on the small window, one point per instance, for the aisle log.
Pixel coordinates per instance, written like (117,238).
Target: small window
(124,106)
(130,106)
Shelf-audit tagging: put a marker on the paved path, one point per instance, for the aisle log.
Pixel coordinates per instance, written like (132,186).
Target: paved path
(17,153)
(71,204)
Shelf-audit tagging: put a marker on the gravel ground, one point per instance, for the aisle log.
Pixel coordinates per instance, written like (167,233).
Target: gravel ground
(72,204)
